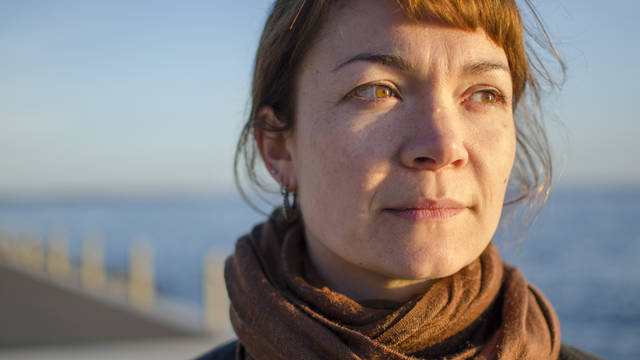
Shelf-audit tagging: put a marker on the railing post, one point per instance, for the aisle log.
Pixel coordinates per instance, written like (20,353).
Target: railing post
(57,264)
(93,275)
(34,255)
(214,293)
(5,246)
(141,280)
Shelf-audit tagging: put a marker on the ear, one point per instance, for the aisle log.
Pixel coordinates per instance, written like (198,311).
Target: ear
(275,148)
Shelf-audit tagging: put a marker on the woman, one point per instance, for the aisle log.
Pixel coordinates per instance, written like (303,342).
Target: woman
(392,125)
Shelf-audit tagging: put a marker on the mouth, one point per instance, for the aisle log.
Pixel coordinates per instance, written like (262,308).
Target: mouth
(427,210)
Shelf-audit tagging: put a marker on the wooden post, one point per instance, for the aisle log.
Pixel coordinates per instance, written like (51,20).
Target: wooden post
(16,250)
(5,245)
(141,280)
(20,251)
(58,265)
(214,293)
(33,253)
(93,275)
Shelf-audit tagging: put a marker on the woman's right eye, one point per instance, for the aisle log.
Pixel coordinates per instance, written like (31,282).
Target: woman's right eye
(374,92)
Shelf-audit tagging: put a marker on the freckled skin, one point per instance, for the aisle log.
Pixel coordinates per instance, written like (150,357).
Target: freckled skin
(354,158)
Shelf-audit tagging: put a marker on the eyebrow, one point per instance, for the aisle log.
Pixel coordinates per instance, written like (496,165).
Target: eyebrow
(482,67)
(402,64)
(394,61)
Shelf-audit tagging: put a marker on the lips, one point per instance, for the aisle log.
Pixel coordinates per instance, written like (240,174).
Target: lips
(427,210)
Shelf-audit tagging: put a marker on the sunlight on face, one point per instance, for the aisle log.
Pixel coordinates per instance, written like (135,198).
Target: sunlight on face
(404,143)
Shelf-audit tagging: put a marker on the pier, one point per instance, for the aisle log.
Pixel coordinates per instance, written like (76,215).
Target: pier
(52,308)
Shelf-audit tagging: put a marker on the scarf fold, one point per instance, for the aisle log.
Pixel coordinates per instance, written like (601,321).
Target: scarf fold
(281,310)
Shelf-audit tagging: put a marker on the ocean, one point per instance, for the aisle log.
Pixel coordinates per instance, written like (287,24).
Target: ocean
(583,251)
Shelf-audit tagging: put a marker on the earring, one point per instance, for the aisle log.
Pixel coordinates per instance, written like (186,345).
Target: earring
(288,207)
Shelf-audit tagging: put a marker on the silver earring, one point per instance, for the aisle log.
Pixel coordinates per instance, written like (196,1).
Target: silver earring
(288,206)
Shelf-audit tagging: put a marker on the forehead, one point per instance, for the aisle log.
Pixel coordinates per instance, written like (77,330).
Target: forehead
(380,26)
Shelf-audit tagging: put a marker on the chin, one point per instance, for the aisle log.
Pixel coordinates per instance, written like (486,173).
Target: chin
(435,271)
(432,263)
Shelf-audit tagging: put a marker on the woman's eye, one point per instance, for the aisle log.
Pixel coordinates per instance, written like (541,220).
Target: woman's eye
(488,97)
(374,92)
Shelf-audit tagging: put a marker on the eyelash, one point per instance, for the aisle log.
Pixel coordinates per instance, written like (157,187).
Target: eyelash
(500,99)
(393,93)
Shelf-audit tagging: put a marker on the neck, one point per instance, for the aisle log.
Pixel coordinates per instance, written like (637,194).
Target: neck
(360,283)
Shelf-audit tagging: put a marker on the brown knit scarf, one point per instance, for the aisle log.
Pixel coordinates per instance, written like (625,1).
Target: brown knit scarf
(281,310)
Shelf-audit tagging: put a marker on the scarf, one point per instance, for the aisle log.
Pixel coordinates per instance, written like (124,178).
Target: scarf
(281,310)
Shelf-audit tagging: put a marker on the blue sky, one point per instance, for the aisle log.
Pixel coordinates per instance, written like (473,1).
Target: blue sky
(149,96)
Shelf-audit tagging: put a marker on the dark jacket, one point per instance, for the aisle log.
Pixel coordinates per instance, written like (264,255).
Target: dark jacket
(228,352)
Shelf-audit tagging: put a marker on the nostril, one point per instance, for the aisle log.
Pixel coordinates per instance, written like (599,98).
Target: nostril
(422,160)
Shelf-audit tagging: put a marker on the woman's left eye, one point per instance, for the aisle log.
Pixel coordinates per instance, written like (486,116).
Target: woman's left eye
(488,97)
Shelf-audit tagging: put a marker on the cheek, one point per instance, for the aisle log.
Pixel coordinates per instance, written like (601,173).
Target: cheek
(499,155)
(509,150)
(498,141)
(492,146)
(341,164)
(325,154)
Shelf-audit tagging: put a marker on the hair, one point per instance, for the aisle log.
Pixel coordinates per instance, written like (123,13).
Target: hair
(293,25)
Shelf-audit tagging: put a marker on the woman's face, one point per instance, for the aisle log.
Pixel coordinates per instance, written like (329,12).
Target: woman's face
(403,144)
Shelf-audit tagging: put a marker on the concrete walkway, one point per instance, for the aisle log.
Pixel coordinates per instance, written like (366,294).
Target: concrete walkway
(34,312)
(42,319)
(159,349)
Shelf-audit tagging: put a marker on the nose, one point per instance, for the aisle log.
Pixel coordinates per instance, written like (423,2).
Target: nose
(435,143)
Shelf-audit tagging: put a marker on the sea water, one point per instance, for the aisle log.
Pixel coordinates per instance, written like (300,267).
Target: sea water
(583,251)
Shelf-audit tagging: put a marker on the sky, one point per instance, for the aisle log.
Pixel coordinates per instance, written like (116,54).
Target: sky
(149,96)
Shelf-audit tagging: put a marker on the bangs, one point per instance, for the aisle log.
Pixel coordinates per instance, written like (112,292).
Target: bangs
(500,19)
